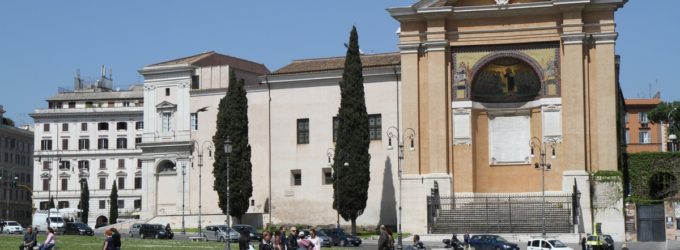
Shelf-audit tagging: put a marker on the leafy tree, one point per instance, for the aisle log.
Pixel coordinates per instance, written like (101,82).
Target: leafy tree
(661,114)
(113,209)
(353,139)
(7,121)
(84,204)
(232,123)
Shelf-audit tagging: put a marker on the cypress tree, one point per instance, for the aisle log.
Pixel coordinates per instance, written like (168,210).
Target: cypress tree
(353,139)
(232,123)
(113,209)
(84,204)
(51,204)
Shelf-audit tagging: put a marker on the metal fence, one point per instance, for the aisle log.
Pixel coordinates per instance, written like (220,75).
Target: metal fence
(501,213)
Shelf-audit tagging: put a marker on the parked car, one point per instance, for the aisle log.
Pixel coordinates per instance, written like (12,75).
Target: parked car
(340,238)
(490,241)
(219,233)
(542,244)
(609,242)
(326,241)
(77,228)
(13,227)
(134,230)
(252,232)
(156,231)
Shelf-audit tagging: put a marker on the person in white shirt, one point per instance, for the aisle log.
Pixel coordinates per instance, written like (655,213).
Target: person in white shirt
(314,239)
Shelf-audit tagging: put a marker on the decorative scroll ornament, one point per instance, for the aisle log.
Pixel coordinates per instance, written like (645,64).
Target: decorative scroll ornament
(502,2)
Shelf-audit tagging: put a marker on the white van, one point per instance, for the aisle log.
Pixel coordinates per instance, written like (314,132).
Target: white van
(40,220)
(546,244)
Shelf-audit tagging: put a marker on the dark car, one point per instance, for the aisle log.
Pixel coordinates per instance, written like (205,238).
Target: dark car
(340,238)
(609,242)
(156,231)
(252,232)
(77,228)
(492,242)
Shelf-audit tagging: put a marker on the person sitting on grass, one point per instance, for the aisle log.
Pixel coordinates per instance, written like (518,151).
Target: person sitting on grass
(29,240)
(50,241)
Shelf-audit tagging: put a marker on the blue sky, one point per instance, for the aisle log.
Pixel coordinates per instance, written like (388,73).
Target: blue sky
(43,43)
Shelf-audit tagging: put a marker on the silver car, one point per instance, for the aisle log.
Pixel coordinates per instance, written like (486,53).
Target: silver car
(13,227)
(219,233)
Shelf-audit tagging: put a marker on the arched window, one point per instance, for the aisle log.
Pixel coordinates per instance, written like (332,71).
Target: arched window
(506,79)
(166,166)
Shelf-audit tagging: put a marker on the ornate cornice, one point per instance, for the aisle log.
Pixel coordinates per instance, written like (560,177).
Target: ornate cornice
(409,48)
(605,38)
(573,38)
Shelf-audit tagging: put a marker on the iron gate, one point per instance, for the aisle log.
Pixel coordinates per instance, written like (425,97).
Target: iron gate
(651,223)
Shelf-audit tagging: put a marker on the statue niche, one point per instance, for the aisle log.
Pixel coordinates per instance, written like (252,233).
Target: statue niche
(505,79)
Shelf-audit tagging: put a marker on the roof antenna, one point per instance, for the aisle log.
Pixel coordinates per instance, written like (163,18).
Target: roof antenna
(111,73)
(103,70)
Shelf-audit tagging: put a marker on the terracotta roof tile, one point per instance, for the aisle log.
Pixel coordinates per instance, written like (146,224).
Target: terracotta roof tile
(335,63)
(212,58)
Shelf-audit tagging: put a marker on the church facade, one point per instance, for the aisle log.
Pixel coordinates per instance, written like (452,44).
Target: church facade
(505,94)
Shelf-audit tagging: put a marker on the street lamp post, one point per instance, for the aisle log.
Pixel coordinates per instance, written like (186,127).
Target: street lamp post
(544,166)
(48,176)
(227,151)
(671,137)
(200,150)
(393,133)
(329,154)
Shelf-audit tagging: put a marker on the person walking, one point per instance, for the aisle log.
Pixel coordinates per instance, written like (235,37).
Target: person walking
(583,243)
(115,238)
(50,241)
(30,240)
(383,240)
(304,243)
(266,243)
(291,241)
(314,239)
(466,239)
(278,241)
(108,241)
(244,240)
(282,237)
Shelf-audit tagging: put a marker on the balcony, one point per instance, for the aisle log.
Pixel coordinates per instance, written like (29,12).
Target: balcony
(87,111)
(91,152)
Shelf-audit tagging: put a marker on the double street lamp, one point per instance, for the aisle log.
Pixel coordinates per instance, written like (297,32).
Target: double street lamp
(410,134)
(543,165)
(200,149)
(329,154)
(9,185)
(672,138)
(227,151)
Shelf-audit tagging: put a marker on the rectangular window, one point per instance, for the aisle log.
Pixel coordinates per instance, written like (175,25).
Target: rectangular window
(46,165)
(139,164)
(45,184)
(102,183)
(121,163)
(103,143)
(121,182)
(84,165)
(45,145)
(121,125)
(46,127)
(303,131)
(103,126)
(296,177)
(625,117)
(375,127)
(121,204)
(64,144)
(327,176)
(83,144)
(83,126)
(63,204)
(195,82)
(64,184)
(628,139)
(64,127)
(138,204)
(166,121)
(644,137)
(194,121)
(102,204)
(126,104)
(89,104)
(642,116)
(167,91)
(139,125)
(102,164)
(111,104)
(336,125)
(138,140)
(121,143)
(72,105)
(138,182)
(65,165)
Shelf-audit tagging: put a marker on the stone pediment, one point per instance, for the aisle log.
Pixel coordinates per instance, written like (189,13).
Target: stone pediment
(423,4)
(166,105)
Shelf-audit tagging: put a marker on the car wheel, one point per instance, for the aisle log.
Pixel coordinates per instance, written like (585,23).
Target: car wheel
(343,243)
(222,239)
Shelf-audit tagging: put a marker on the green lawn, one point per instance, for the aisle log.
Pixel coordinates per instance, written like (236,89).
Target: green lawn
(73,242)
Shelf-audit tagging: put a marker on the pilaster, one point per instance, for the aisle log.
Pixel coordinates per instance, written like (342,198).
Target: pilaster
(573,101)
(410,71)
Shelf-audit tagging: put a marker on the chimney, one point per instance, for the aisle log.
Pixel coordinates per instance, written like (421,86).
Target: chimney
(77,83)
